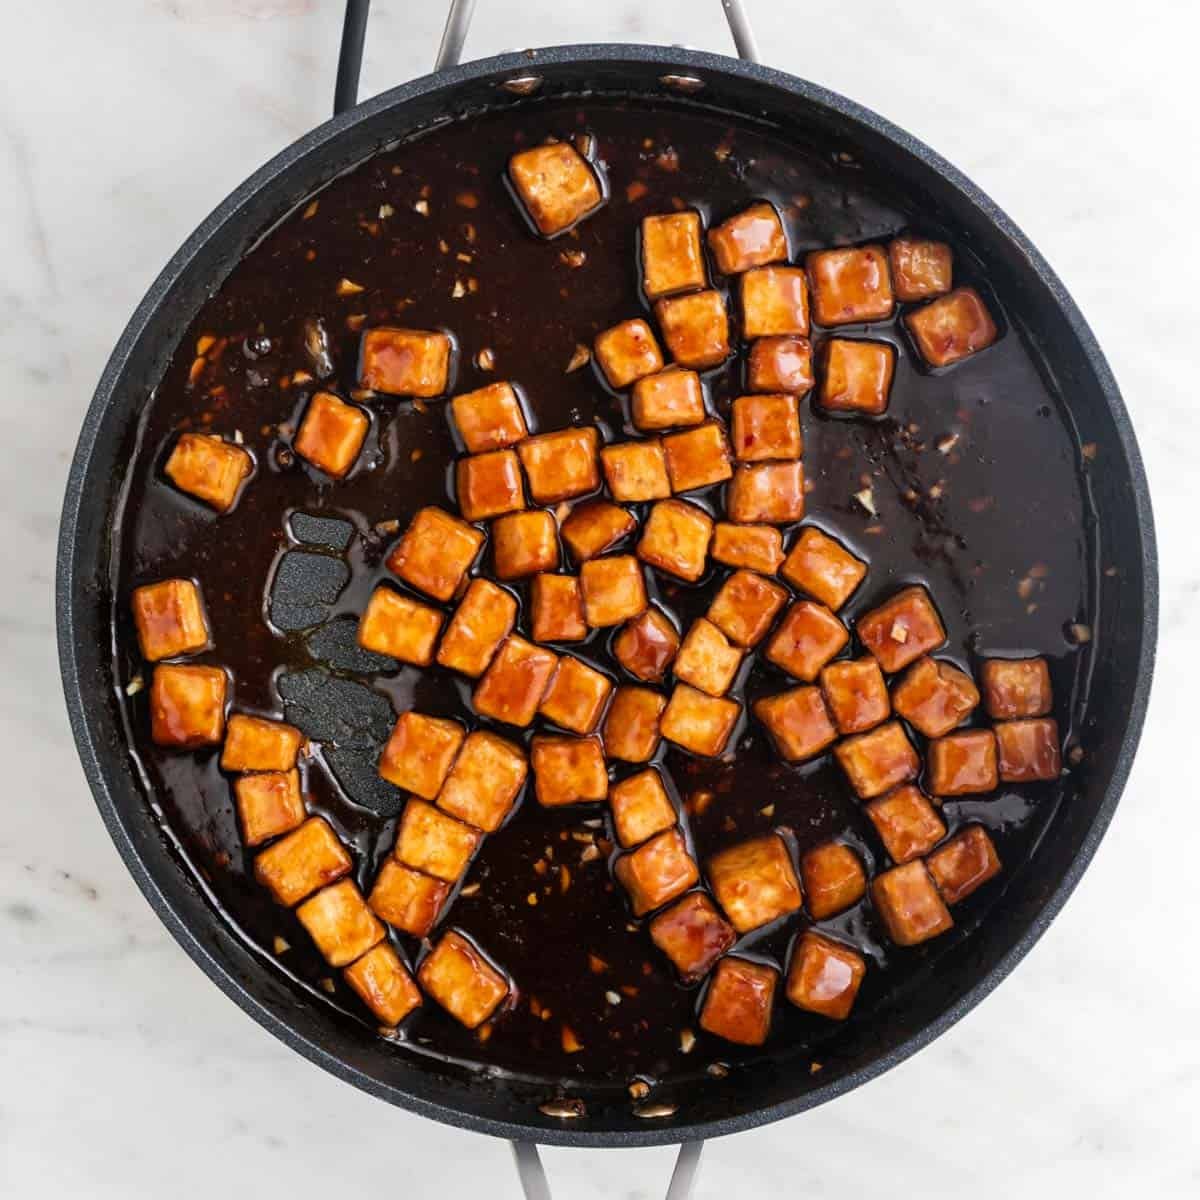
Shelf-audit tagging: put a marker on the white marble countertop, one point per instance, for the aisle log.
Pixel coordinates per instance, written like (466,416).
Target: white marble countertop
(123,1073)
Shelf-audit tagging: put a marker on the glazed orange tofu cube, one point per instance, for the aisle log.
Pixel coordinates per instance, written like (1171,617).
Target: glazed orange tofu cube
(767,493)
(409,900)
(405,362)
(259,744)
(745,607)
(824,568)
(636,471)
(907,824)
(435,553)
(484,781)
(576,696)
(697,457)
(489,485)
(766,427)
(774,302)
(627,352)
(400,627)
(908,901)
(952,328)
(1028,750)
(420,752)
(647,645)
(675,539)
(672,257)
(187,706)
(308,858)
(753,547)
(824,976)
(920,268)
(632,729)
(857,376)
(780,364)
(524,543)
(877,761)
(739,1001)
(209,468)
(856,694)
(707,660)
(966,862)
(613,590)
(698,722)
(340,923)
(657,871)
(751,238)
(901,629)
(1016,687)
(695,328)
(489,418)
(693,935)
(833,879)
(640,807)
(850,285)
(430,841)
(462,981)
(562,464)
(568,770)
(755,882)
(934,697)
(671,398)
(807,638)
(331,434)
(170,619)
(556,185)
(513,686)
(557,607)
(483,619)
(596,526)
(268,803)
(384,985)
(963,763)
(797,721)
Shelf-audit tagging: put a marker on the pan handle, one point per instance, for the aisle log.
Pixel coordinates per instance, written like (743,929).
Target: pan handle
(536,1187)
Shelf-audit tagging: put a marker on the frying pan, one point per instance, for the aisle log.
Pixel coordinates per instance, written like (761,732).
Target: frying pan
(1124,618)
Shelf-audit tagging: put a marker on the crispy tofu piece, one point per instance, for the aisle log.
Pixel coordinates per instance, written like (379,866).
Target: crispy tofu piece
(952,328)
(557,607)
(489,485)
(766,426)
(672,257)
(647,645)
(675,539)
(556,186)
(798,722)
(484,782)
(632,729)
(707,660)
(627,352)
(908,901)
(576,696)
(670,399)
(824,568)
(774,302)
(568,770)
(755,882)
(766,493)
(489,418)
(657,871)
(901,629)
(636,471)
(409,900)
(745,607)
(1016,687)
(856,694)
(596,526)
(269,803)
(308,858)
(739,1001)
(751,238)
(962,764)
(857,376)
(613,589)
(824,976)
(850,285)
(405,362)
(934,697)
(833,878)
(697,457)
(640,807)
(187,706)
(780,364)
(695,328)
(878,761)
(524,543)
(340,923)
(420,753)
(513,686)
(435,553)
(907,824)
(1028,750)
(209,468)
(170,619)
(430,841)
(752,547)
(693,935)
(331,434)
(398,626)
(697,722)
(484,618)
(920,268)
(384,985)
(562,464)
(462,981)
(966,862)
(807,638)
(259,744)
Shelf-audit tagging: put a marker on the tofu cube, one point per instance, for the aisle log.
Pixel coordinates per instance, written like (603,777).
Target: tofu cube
(340,923)
(596,526)
(824,976)
(707,660)
(489,485)
(695,328)
(562,464)
(524,543)
(857,376)
(833,879)
(187,706)
(697,458)
(568,770)
(856,694)
(647,645)
(672,257)
(489,418)
(698,722)
(170,619)
(751,238)
(556,186)
(966,862)
(752,547)
(737,1005)
(878,761)
(484,618)
(934,697)
(920,268)
(1016,687)
(430,841)
(657,871)
(693,935)
(798,722)
(259,744)
(640,807)
(670,399)
(755,882)
(331,434)
(907,824)
(636,471)
(902,629)
(675,539)
(209,468)
(780,364)
(269,803)
(420,752)
(308,858)
(576,696)
(513,686)
(824,568)
(807,638)
(908,901)
(613,590)
(850,285)
(774,302)
(962,764)
(406,899)
(632,729)
(766,426)
(745,607)
(462,981)
(484,782)
(435,553)
(627,352)
(384,985)
(952,328)
(400,627)
(1028,750)
(557,609)
(405,362)
(766,493)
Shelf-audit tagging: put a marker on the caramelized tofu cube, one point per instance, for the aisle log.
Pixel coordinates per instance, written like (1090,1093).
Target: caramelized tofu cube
(695,328)
(878,761)
(208,468)
(753,547)
(627,352)
(856,694)
(797,721)
(755,882)
(632,728)
(308,858)
(435,553)
(489,485)
(774,302)
(513,686)
(613,590)
(675,539)
(576,696)
(833,878)
(780,364)
(1028,750)
(657,871)
(483,619)
(568,770)
(384,985)
(807,638)
(489,418)
(397,626)
(170,619)
(1016,687)
(672,257)
(187,706)
(406,899)
(562,464)
(524,543)
(850,285)
(647,645)
(420,752)
(824,568)
(907,824)
(331,434)
(556,185)
(484,781)
(707,660)
(767,493)
(739,1000)
(258,744)
(952,328)
(966,862)
(430,841)
(693,935)
(462,981)
(934,697)
(962,764)
(640,807)
(908,901)
(745,607)
(697,457)
(340,923)
(920,268)
(697,722)
(667,400)
(405,362)
(595,527)
(766,426)
(824,976)
(557,604)
(857,377)
(751,238)
(268,804)
(636,471)
(901,629)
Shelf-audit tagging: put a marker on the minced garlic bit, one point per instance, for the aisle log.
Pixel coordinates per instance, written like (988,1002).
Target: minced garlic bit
(135,685)
(867,499)
(485,360)
(459,290)
(311,210)
(580,358)
(422,207)
(946,443)
(639,1089)
(613,997)
(470,890)
(347,287)
(280,945)
(1079,633)
(570,1043)
(687,1041)
(898,632)
(385,211)
(590,853)
(328,984)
